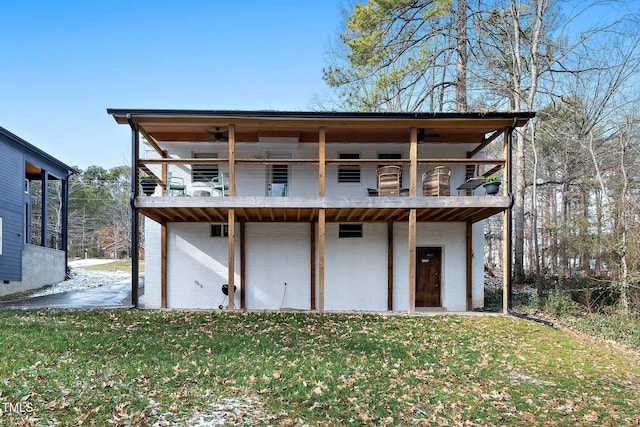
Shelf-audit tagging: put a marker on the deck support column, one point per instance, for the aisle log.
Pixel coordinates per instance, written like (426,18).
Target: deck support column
(163,265)
(312,267)
(243,254)
(469,265)
(390,265)
(412,262)
(506,226)
(321,249)
(231,239)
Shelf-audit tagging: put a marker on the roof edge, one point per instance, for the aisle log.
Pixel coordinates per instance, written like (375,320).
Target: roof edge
(37,151)
(321,114)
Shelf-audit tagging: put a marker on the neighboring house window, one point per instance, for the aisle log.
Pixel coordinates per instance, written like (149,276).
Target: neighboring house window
(218,230)
(204,173)
(349,173)
(349,230)
(391,156)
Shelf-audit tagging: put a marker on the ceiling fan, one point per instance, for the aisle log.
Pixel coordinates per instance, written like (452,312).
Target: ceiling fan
(219,136)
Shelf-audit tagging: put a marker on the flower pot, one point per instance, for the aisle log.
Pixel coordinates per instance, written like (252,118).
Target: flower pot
(492,187)
(148,186)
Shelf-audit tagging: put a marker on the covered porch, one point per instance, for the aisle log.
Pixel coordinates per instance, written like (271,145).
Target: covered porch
(316,139)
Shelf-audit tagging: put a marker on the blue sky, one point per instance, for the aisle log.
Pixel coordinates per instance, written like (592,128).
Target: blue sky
(65,62)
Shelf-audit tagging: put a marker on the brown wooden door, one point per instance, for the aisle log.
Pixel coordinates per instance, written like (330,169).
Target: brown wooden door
(428,274)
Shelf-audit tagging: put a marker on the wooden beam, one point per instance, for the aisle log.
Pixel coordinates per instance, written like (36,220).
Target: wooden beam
(231,239)
(390,265)
(243,254)
(152,142)
(321,161)
(486,142)
(469,266)
(321,249)
(312,270)
(232,159)
(163,265)
(413,157)
(412,262)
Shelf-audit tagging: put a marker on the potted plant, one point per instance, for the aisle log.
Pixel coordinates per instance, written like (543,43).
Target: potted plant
(148,184)
(491,184)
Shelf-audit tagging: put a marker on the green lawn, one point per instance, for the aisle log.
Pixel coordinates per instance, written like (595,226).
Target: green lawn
(119,265)
(193,368)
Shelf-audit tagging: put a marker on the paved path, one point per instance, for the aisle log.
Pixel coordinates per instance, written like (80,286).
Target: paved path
(115,295)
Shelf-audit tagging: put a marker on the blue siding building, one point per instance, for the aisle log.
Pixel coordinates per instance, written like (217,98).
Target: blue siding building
(33,242)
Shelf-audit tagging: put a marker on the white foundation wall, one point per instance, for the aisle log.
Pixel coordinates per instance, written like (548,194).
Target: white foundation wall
(356,269)
(277,253)
(152,297)
(197,267)
(477,288)
(451,237)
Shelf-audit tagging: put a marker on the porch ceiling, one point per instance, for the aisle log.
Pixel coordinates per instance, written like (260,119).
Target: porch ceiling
(381,209)
(197,126)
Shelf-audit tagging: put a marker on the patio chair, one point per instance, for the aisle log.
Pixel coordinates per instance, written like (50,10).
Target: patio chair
(436,182)
(176,186)
(389,180)
(220,184)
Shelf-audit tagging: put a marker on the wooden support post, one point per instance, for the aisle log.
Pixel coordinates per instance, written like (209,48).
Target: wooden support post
(412,261)
(231,259)
(232,161)
(312,270)
(505,263)
(322,161)
(321,249)
(469,265)
(413,156)
(243,254)
(506,235)
(163,265)
(390,265)
(164,176)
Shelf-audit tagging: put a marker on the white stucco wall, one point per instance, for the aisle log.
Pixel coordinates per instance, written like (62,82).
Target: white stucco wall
(477,289)
(356,269)
(196,266)
(152,297)
(278,253)
(251,180)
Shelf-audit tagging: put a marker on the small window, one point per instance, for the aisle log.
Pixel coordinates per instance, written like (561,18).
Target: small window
(349,230)
(204,173)
(219,230)
(349,173)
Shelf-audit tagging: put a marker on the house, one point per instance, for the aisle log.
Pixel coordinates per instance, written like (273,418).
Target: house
(316,210)
(33,245)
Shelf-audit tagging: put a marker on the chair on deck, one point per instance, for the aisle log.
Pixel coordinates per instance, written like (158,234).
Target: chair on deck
(220,184)
(176,186)
(436,182)
(389,180)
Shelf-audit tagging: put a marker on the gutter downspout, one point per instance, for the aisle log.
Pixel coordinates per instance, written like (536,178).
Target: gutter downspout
(134,213)
(509,242)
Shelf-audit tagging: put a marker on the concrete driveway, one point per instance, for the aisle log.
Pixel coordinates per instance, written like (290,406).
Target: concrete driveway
(114,295)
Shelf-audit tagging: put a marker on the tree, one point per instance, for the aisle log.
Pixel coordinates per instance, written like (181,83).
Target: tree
(402,55)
